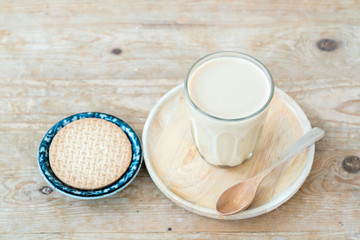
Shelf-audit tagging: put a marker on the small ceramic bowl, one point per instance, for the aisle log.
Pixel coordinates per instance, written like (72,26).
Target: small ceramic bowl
(126,178)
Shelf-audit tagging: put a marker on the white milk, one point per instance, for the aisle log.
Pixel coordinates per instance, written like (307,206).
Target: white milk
(230,89)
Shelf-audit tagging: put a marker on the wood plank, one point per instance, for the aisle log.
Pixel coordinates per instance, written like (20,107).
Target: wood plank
(181,236)
(84,53)
(178,12)
(329,197)
(38,104)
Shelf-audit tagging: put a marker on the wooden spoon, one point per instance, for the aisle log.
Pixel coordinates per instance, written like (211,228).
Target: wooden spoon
(239,196)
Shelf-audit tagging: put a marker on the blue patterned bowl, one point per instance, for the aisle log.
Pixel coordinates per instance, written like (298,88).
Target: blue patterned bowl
(126,178)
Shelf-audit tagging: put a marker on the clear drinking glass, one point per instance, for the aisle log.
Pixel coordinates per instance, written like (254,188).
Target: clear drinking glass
(226,142)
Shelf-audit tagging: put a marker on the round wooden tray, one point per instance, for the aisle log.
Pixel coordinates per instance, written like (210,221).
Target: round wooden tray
(183,176)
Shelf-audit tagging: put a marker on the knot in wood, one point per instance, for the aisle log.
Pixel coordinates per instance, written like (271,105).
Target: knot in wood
(327,45)
(116,51)
(351,164)
(46,190)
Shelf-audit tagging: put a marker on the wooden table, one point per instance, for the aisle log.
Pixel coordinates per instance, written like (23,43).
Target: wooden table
(58,58)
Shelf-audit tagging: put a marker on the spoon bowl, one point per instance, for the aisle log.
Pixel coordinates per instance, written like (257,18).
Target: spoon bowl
(237,198)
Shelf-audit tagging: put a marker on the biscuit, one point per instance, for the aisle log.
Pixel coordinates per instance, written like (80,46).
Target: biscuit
(90,153)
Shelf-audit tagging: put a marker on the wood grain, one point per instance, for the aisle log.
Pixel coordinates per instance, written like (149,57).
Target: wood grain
(177,236)
(56,59)
(181,174)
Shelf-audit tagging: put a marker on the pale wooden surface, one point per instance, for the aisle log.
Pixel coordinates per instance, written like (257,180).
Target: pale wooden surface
(56,59)
(177,169)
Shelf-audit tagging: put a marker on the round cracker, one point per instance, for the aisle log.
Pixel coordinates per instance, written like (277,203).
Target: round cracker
(90,153)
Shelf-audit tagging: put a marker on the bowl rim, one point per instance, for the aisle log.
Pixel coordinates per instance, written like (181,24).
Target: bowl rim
(121,183)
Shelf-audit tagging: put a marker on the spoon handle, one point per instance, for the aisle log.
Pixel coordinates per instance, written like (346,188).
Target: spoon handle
(309,138)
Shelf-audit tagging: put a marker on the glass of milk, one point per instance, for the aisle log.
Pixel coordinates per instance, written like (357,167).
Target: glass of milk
(228,95)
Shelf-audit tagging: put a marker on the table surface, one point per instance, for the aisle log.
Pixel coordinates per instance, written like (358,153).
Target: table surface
(58,58)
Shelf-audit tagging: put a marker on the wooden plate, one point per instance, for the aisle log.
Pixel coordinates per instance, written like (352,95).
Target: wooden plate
(183,176)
